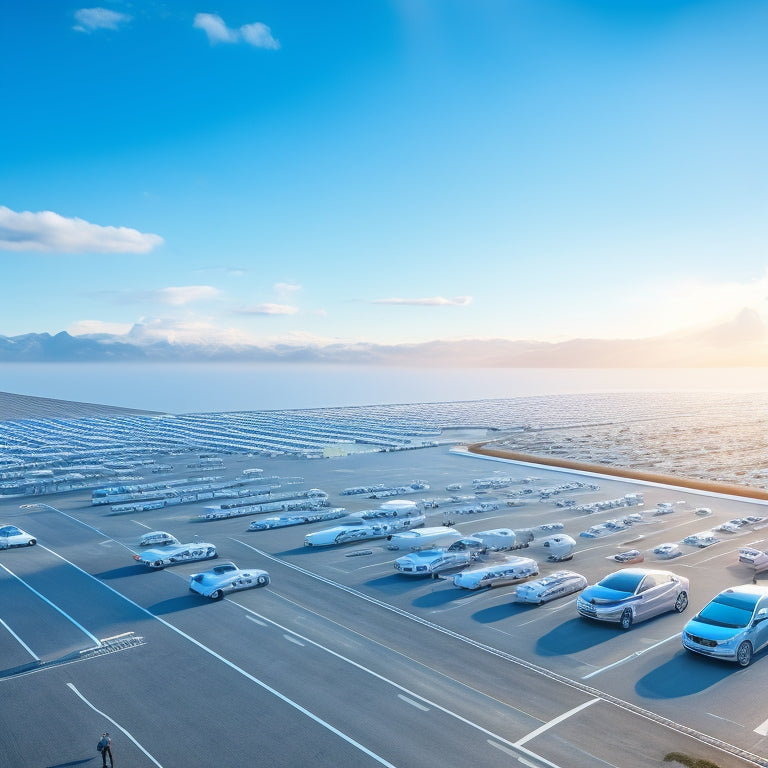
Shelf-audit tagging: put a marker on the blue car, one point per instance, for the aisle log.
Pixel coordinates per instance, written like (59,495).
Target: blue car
(732,626)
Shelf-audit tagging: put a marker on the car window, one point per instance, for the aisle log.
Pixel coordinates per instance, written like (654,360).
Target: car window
(622,581)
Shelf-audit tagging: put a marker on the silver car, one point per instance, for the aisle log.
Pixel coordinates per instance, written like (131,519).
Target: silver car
(732,626)
(634,594)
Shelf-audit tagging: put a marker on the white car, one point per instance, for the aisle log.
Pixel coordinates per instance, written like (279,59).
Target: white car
(343,534)
(667,551)
(426,538)
(173,554)
(558,584)
(428,562)
(157,538)
(225,578)
(496,539)
(510,571)
(556,548)
(705,539)
(11,536)
(754,557)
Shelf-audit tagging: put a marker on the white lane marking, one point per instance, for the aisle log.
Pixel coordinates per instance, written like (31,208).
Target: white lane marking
(116,724)
(257,621)
(21,642)
(96,641)
(294,640)
(516,755)
(630,657)
(555,721)
(144,525)
(413,703)
(237,669)
(399,687)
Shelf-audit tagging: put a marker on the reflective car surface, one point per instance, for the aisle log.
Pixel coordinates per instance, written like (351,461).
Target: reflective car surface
(431,561)
(510,571)
(630,556)
(754,557)
(667,551)
(225,578)
(558,584)
(732,626)
(157,538)
(173,554)
(634,594)
(11,536)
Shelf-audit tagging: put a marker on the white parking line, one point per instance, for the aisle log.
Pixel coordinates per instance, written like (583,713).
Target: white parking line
(237,669)
(96,641)
(554,722)
(116,724)
(635,655)
(413,703)
(761,729)
(293,640)
(21,642)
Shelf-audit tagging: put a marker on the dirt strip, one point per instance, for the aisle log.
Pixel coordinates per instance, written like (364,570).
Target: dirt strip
(708,486)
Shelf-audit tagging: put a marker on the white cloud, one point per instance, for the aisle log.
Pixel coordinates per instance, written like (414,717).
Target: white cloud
(89,19)
(184,294)
(88,327)
(257,34)
(270,309)
(47,231)
(286,289)
(432,301)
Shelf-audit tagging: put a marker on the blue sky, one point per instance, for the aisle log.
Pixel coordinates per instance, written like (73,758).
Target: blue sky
(386,172)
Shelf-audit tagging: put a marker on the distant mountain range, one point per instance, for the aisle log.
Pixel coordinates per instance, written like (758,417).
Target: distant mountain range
(740,342)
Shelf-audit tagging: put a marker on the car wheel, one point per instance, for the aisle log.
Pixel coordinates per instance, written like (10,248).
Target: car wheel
(262,580)
(217,595)
(682,602)
(626,620)
(744,654)
(32,542)
(158,563)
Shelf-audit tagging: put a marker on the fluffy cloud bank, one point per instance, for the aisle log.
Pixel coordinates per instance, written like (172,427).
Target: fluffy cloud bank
(257,34)
(47,231)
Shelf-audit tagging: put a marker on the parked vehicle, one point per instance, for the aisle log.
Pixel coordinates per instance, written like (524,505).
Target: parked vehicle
(173,554)
(11,536)
(558,584)
(429,562)
(157,538)
(733,626)
(667,551)
(510,571)
(226,578)
(634,594)
(630,556)
(426,538)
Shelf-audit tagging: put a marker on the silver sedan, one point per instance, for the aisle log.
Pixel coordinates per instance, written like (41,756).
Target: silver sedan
(634,594)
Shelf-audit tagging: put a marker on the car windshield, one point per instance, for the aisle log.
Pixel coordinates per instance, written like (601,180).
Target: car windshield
(729,610)
(623,581)
(9,530)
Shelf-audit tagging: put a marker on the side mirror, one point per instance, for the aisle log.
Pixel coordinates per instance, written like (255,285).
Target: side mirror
(761,615)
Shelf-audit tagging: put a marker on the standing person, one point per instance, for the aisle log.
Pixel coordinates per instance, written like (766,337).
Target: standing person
(105,747)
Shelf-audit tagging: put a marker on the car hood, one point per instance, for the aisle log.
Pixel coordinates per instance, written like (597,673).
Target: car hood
(598,594)
(711,631)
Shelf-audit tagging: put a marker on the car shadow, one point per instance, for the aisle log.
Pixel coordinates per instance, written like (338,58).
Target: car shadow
(123,572)
(575,635)
(683,675)
(501,611)
(176,604)
(73,762)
